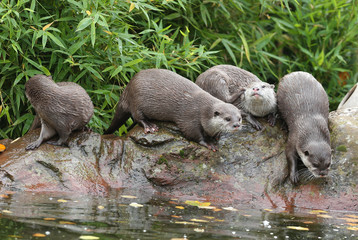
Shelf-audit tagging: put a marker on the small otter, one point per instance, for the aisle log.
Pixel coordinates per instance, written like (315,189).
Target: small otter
(243,89)
(159,94)
(303,104)
(62,108)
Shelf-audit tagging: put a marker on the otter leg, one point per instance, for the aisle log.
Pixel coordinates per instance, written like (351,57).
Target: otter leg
(149,127)
(47,132)
(272,119)
(64,134)
(291,162)
(251,119)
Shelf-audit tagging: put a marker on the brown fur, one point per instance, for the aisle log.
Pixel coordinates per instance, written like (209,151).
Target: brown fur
(61,108)
(303,103)
(159,94)
(242,88)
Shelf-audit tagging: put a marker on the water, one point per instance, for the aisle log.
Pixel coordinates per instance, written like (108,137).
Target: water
(130,214)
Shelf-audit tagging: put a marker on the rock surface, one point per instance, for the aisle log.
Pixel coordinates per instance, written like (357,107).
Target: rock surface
(249,168)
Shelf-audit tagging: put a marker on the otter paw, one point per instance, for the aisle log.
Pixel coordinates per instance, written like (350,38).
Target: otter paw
(294,179)
(56,143)
(32,146)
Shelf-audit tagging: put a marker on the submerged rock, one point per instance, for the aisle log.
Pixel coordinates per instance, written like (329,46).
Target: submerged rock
(249,168)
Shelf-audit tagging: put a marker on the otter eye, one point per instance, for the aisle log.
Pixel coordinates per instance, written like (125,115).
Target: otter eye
(228,119)
(263,86)
(216,113)
(307,153)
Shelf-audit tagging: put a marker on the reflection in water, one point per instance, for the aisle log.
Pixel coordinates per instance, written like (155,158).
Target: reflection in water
(139,215)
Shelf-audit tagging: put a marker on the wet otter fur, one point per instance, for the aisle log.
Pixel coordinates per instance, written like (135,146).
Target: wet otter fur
(61,108)
(243,89)
(159,94)
(303,104)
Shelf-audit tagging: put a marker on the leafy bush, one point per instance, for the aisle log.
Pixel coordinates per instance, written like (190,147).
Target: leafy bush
(101,44)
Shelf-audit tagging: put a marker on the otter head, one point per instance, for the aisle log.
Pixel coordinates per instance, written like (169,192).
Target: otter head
(316,156)
(259,99)
(37,85)
(220,118)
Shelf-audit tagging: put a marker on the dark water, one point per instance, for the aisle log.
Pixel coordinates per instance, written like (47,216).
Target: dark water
(148,216)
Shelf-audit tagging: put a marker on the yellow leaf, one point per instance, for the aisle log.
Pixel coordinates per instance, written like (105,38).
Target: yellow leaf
(199,220)
(352,224)
(128,196)
(317,211)
(136,205)
(100,207)
(219,220)
(298,228)
(352,216)
(62,200)
(207,207)
(6,211)
(197,203)
(47,26)
(208,217)
(349,219)
(230,209)
(179,207)
(33,28)
(3,195)
(38,235)
(199,230)
(353,228)
(67,223)
(324,216)
(175,216)
(186,223)
(269,210)
(110,33)
(84,237)
(49,219)
(308,222)
(88,13)
(131,7)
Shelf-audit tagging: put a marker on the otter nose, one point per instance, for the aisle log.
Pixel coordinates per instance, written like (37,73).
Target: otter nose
(236,125)
(256,89)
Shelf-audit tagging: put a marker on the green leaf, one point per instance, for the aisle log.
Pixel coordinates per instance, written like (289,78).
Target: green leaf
(135,61)
(83,24)
(115,72)
(93,33)
(55,39)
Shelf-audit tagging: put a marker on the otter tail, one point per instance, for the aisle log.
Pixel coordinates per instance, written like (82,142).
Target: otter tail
(120,118)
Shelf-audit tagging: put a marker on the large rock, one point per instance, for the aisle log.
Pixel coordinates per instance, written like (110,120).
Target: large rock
(249,168)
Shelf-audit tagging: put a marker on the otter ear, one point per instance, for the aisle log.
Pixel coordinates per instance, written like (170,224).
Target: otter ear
(216,113)
(272,86)
(307,153)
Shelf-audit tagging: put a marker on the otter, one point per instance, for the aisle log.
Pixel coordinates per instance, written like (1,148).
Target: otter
(303,104)
(243,89)
(61,108)
(160,94)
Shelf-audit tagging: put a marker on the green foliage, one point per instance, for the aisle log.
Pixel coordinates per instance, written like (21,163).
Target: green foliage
(101,44)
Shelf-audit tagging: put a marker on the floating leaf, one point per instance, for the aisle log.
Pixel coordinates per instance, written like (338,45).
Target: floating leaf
(199,230)
(324,216)
(207,207)
(199,220)
(298,228)
(246,215)
(317,211)
(197,203)
(308,222)
(67,223)
(268,210)
(352,216)
(38,235)
(6,211)
(62,200)
(136,205)
(186,223)
(352,224)
(353,228)
(100,207)
(179,207)
(349,219)
(49,219)
(230,209)
(84,237)
(128,196)
(175,216)
(208,217)
(4,196)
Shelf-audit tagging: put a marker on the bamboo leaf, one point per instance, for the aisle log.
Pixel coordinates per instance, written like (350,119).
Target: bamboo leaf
(84,23)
